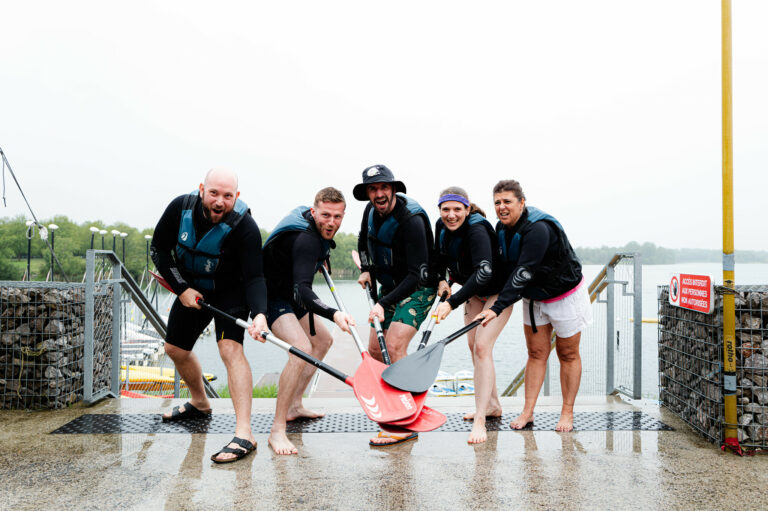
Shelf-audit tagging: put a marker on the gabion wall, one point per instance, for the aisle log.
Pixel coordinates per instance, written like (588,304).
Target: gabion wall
(691,360)
(42,335)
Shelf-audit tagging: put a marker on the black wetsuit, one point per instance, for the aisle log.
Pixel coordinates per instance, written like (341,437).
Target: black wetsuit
(411,254)
(290,263)
(474,265)
(547,266)
(239,279)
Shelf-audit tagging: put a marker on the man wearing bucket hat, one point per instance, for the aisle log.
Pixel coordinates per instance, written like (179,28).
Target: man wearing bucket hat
(394,243)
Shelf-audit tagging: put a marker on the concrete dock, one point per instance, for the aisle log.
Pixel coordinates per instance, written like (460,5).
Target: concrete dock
(513,470)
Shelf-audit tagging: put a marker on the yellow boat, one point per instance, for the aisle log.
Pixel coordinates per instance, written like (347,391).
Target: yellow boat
(152,378)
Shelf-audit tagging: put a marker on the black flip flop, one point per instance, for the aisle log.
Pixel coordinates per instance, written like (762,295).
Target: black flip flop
(406,438)
(190,412)
(246,447)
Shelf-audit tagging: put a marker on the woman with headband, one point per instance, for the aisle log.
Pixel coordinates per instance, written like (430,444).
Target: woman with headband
(542,269)
(467,247)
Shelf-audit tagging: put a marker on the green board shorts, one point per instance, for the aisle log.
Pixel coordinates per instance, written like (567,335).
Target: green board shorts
(412,310)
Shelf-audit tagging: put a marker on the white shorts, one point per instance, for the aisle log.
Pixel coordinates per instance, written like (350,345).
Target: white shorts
(568,316)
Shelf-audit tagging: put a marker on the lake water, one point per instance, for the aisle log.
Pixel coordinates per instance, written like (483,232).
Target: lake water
(509,352)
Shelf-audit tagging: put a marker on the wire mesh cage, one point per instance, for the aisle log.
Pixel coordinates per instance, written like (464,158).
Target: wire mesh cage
(690,365)
(752,365)
(42,343)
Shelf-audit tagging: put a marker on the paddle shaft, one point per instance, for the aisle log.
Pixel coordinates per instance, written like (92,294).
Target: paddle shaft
(376,323)
(340,305)
(281,344)
(432,319)
(377,327)
(458,333)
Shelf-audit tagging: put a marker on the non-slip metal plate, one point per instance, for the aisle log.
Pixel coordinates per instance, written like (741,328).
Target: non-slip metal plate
(345,423)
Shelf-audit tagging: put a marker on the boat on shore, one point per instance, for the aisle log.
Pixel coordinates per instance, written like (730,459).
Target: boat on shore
(451,385)
(151,381)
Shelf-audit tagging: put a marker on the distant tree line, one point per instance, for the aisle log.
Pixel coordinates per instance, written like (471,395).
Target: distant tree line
(72,240)
(652,254)
(70,243)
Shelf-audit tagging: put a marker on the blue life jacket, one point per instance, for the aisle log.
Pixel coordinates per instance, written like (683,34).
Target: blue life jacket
(380,240)
(510,249)
(453,247)
(200,259)
(298,220)
(558,272)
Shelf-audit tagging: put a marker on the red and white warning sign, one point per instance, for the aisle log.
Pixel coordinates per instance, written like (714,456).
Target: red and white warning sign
(695,292)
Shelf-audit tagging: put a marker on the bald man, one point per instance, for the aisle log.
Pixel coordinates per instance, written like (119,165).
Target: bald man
(207,245)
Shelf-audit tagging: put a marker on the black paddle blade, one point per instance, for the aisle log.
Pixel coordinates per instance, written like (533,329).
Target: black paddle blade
(416,373)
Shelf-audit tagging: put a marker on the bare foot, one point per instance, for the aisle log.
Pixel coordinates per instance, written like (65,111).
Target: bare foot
(478,434)
(203,406)
(565,423)
(523,420)
(279,443)
(470,416)
(303,413)
(224,456)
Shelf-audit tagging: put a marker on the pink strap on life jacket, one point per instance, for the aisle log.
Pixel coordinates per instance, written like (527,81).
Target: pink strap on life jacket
(567,293)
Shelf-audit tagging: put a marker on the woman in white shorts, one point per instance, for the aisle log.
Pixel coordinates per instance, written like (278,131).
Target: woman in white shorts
(541,269)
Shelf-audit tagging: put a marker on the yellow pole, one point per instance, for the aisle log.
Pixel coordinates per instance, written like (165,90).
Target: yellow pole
(729,309)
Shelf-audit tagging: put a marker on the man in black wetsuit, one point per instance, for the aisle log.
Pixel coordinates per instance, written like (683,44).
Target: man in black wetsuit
(293,254)
(207,245)
(394,245)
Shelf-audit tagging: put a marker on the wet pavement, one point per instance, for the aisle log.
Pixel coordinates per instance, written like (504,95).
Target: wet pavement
(513,470)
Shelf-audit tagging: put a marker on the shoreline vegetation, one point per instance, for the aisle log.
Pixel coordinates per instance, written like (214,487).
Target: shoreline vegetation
(72,240)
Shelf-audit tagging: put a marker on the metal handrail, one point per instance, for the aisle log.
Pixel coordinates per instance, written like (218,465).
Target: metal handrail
(128,283)
(598,284)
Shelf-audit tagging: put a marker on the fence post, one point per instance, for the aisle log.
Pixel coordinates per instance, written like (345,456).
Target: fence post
(637,306)
(88,340)
(609,327)
(116,315)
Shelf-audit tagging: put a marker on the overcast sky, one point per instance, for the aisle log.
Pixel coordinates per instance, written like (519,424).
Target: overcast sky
(608,112)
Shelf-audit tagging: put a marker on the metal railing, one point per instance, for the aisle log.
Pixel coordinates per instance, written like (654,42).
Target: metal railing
(104,271)
(615,336)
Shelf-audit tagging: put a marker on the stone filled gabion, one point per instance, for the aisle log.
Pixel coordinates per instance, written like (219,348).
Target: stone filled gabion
(691,361)
(42,334)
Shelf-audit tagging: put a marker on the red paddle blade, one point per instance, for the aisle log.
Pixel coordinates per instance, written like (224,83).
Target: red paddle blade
(161,280)
(381,402)
(427,420)
(419,399)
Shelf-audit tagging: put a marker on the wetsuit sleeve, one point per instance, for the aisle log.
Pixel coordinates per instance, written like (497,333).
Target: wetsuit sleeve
(481,255)
(164,242)
(251,263)
(362,244)
(416,256)
(307,249)
(533,248)
(439,264)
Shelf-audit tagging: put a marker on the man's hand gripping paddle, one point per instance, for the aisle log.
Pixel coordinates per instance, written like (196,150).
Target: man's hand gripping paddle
(423,418)
(376,323)
(381,402)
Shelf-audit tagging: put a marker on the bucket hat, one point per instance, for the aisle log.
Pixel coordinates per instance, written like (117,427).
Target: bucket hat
(376,174)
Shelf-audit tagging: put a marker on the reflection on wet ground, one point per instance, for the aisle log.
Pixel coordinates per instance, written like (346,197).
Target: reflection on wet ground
(512,470)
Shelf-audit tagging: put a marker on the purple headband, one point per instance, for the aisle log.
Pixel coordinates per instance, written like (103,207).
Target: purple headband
(451,196)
